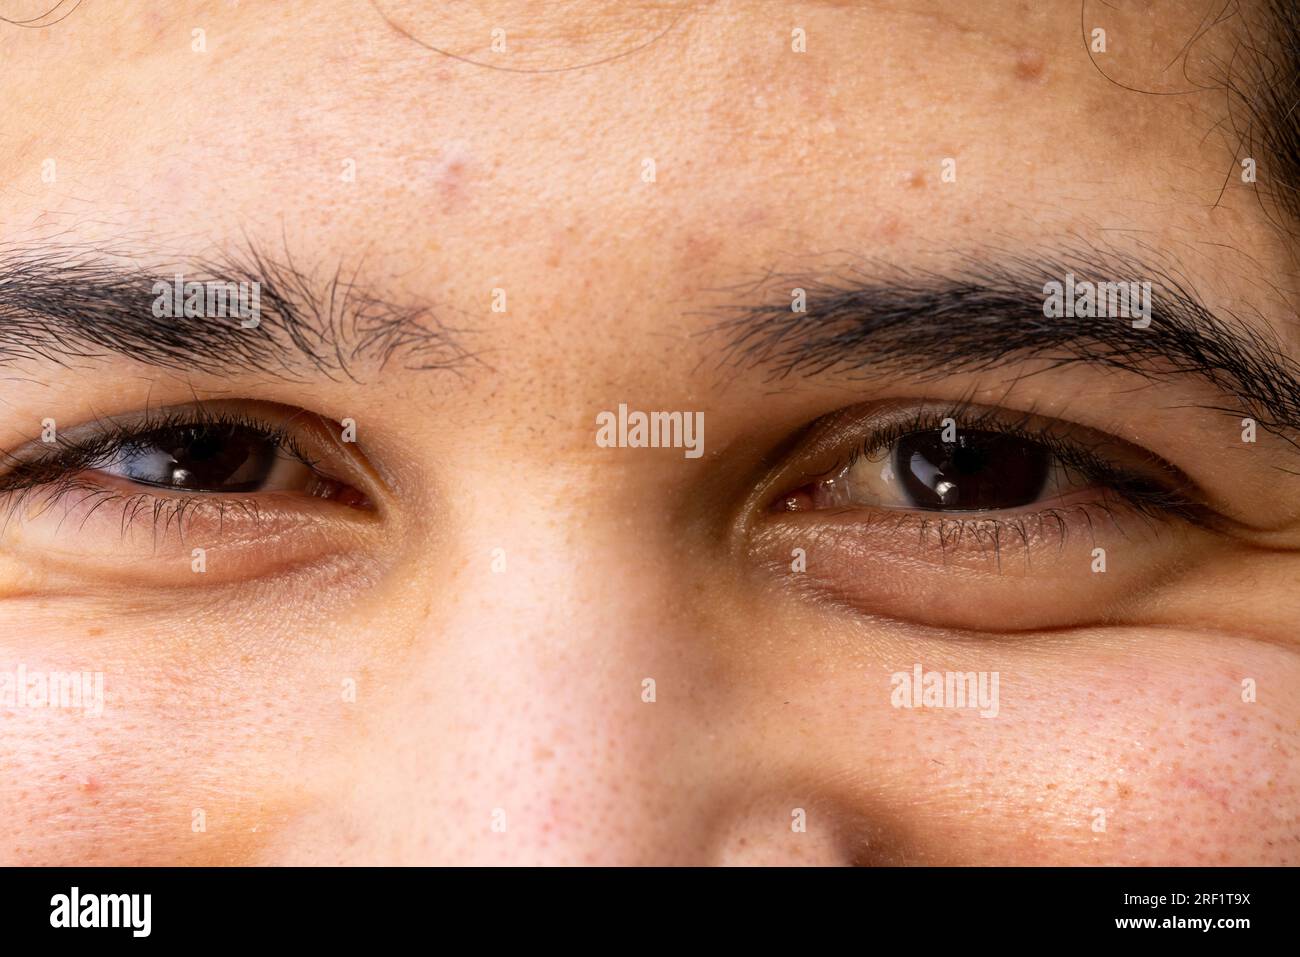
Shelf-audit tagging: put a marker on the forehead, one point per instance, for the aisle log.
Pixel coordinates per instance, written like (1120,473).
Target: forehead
(739,131)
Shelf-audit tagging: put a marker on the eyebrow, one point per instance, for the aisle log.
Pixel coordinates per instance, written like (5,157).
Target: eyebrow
(63,302)
(988,313)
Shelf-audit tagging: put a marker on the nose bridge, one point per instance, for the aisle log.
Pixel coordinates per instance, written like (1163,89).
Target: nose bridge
(569,696)
(528,725)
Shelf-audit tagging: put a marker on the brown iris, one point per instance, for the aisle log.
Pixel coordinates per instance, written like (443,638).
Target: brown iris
(204,457)
(978,471)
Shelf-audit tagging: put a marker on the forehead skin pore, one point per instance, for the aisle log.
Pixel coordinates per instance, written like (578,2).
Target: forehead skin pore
(377,138)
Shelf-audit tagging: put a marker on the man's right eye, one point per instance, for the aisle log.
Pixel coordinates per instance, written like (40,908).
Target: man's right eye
(207,458)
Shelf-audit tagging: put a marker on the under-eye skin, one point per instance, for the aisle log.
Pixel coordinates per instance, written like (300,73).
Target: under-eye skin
(234,474)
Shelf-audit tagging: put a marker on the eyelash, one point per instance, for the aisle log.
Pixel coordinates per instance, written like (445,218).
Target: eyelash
(56,475)
(1136,492)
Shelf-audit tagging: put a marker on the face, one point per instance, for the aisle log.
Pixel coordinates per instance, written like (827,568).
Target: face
(940,555)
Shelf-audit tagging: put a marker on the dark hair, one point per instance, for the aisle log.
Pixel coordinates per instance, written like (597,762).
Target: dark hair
(1270,95)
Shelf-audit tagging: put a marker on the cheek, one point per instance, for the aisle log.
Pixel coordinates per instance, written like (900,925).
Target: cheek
(1139,751)
(1115,746)
(214,716)
(1187,771)
(137,788)
(181,767)
(86,790)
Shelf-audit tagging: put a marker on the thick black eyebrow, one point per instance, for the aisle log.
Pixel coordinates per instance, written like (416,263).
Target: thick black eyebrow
(62,302)
(988,314)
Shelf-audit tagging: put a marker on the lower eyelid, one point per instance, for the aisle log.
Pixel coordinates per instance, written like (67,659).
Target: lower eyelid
(142,538)
(1073,516)
(1033,571)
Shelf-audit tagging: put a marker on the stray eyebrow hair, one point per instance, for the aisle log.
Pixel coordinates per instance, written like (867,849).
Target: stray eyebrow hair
(1270,93)
(62,302)
(989,314)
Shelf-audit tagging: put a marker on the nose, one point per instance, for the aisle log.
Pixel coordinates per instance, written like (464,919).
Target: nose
(567,704)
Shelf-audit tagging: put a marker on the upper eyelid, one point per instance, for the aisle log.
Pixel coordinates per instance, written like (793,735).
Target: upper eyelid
(1061,437)
(1058,434)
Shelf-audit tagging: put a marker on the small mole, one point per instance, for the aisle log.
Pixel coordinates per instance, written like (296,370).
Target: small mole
(916,179)
(1030,66)
(88,783)
(93,632)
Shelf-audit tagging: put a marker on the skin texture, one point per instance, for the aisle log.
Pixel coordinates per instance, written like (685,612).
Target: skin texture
(507,686)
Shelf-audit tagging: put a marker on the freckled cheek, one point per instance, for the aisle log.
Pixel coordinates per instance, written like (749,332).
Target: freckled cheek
(1139,752)
(79,789)
(1221,785)
(195,780)
(1171,769)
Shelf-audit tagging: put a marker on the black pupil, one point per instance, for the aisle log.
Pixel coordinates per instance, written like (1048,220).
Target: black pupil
(205,457)
(976,471)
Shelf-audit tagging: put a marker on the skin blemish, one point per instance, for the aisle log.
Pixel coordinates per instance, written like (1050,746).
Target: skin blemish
(1030,66)
(448,172)
(891,228)
(700,249)
(450,182)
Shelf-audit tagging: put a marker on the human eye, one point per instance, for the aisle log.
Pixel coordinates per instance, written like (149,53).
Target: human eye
(142,490)
(945,512)
(982,464)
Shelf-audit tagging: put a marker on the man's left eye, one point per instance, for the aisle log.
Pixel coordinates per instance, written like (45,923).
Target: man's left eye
(975,463)
(974,470)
